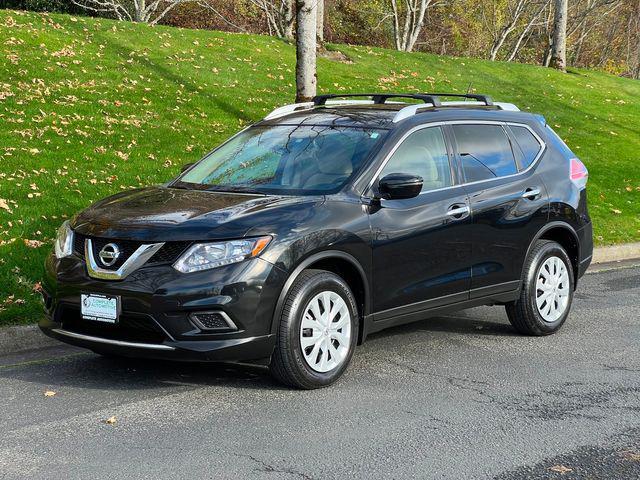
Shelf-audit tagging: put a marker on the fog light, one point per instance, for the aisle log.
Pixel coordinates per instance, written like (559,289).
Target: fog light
(209,321)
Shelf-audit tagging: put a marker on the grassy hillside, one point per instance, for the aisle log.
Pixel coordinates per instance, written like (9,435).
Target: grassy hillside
(90,107)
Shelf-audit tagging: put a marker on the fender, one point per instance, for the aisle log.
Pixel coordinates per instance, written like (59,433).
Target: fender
(545,229)
(305,264)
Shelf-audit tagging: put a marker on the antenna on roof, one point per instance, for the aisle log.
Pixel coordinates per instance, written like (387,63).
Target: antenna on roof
(469,89)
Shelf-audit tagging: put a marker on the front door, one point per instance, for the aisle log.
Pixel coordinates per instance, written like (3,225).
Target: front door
(422,245)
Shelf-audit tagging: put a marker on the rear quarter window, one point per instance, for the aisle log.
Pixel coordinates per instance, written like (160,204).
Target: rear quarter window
(528,143)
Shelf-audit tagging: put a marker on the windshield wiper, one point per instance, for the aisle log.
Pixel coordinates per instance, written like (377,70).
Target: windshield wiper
(217,188)
(235,189)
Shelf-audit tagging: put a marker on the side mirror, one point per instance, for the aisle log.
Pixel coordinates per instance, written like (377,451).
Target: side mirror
(186,167)
(397,186)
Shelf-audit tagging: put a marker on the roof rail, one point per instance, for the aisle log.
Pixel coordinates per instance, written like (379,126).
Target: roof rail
(507,106)
(378,98)
(486,99)
(287,109)
(411,110)
(429,100)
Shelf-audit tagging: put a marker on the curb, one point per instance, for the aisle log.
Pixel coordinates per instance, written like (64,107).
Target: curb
(616,253)
(23,337)
(29,337)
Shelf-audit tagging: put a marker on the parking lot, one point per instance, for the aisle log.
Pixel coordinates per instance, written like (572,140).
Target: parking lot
(454,397)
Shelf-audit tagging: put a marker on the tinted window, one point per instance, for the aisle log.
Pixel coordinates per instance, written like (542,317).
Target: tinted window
(527,143)
(423,153)
(485,150)
(303,159)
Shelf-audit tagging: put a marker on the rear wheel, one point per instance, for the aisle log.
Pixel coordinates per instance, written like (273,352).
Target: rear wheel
(546,293)
(317,332)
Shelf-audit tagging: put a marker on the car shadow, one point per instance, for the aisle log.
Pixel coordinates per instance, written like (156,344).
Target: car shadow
(70,367)
(461,323)
(83,369)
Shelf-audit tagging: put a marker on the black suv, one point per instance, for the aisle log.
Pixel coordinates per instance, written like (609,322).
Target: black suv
(323,223)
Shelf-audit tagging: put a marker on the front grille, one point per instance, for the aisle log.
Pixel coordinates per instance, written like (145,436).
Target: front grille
(78,244)
(169,253)
(130,327)
(127,248)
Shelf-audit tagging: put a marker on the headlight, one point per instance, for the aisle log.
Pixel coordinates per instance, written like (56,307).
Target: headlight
(204,256)
(64,241)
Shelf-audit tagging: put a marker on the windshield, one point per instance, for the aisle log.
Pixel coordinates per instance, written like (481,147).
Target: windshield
(304,159)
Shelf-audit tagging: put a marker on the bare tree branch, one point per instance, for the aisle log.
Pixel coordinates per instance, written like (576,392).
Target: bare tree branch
(207,6)
(138,10)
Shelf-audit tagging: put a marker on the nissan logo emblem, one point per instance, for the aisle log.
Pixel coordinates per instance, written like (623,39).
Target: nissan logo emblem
(109,254)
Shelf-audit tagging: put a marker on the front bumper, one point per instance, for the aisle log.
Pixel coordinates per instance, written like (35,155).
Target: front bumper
(246,349)
(156,307)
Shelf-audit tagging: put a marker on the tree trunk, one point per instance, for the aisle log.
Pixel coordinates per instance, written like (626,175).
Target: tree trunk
(289,18)
(559,44)
(636,70)
(497,44)
(396,25)
(636,73)
(306,50)
(417,24)
(406,35)
(320,21)
(139,6)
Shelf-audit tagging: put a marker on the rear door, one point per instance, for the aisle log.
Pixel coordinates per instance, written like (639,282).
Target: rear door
(507,198)
(421,245)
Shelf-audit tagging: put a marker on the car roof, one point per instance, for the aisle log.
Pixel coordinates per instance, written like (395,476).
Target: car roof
(383,115)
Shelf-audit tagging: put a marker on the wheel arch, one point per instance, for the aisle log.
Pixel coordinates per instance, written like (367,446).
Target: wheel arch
(566,236)
(342,264)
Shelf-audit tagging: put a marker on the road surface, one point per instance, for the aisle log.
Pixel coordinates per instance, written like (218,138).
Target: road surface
(452,397)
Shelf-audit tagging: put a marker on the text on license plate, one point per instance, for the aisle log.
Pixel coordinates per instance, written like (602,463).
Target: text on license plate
(101,308)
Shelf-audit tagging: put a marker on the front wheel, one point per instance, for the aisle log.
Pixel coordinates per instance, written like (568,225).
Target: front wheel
(317,332)
(546,293)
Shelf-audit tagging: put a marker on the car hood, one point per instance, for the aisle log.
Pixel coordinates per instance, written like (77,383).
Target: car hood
(167,214)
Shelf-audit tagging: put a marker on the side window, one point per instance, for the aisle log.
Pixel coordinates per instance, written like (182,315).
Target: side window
(485,151)
(528,144)
(423,153)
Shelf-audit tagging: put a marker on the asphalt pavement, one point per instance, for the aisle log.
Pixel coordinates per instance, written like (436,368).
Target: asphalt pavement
(453,397)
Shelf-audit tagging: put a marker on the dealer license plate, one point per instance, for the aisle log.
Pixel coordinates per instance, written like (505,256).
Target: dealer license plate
(100,308)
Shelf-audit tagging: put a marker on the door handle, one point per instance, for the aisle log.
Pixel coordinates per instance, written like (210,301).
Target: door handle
(531,193)
(458,212)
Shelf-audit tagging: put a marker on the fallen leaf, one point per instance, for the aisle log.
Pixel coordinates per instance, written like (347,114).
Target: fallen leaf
(4,205)
(110,421)
(561,469)
(49,393)
(33,243)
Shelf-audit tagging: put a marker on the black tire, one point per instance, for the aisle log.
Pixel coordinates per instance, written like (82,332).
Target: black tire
(523,313)
(288,364)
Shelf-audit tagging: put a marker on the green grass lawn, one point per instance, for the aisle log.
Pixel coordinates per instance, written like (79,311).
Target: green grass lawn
(91,107)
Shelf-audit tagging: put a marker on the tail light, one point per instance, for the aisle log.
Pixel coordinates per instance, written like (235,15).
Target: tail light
(579,173)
